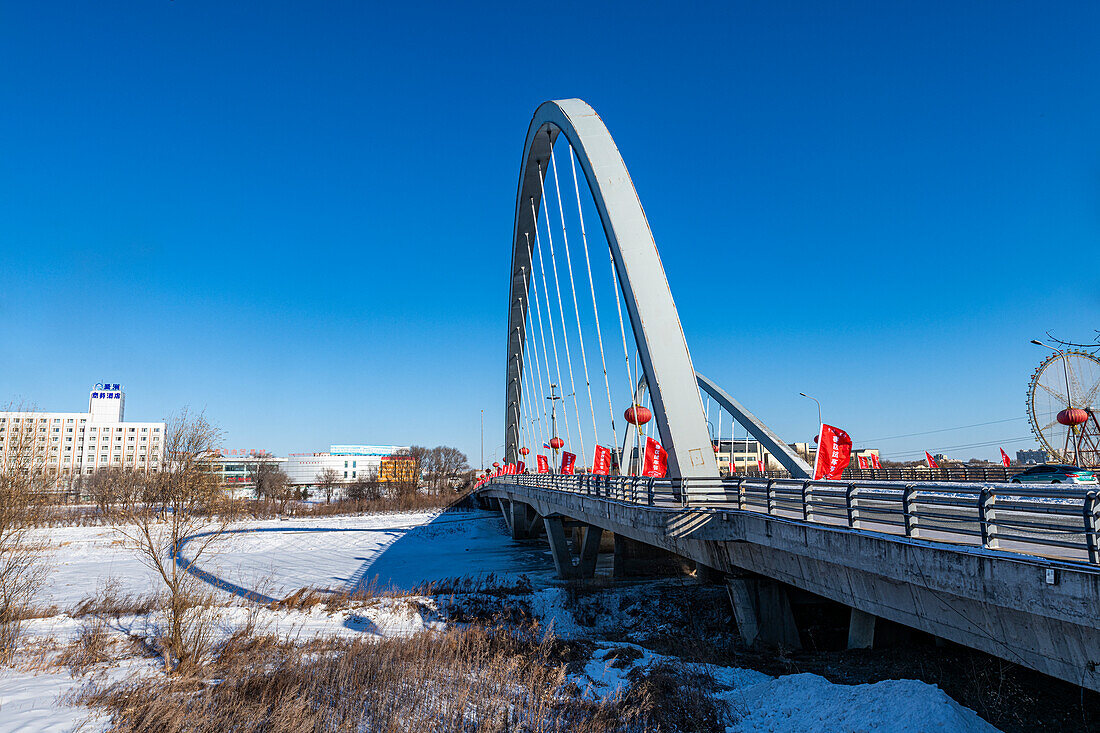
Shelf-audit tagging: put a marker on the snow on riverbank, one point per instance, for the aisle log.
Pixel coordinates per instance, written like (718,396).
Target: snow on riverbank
(278,558)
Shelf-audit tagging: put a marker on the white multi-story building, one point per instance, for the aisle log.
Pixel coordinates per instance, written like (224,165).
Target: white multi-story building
(75,443)
(349,461)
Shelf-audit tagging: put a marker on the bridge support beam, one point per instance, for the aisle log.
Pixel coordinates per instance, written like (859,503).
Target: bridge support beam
(589,549)
(522,520)
(762,611)
(861,630)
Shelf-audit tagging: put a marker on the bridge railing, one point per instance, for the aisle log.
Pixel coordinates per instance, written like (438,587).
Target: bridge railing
(1060,522)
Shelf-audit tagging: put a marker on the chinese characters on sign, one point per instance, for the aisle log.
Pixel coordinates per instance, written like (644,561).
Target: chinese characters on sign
(656,459)
(834,451)
(601,464)
(568,460)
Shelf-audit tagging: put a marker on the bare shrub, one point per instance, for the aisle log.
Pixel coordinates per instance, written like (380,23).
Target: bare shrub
(181,507)
(23,480)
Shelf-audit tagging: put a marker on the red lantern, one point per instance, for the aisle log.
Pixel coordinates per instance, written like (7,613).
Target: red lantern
(523,451)
(496,464)
(556,442)
(1073,416)
(715,449)
(638,415)
(815,438)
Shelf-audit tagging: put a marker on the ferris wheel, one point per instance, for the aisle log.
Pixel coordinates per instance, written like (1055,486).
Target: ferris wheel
(1062,402)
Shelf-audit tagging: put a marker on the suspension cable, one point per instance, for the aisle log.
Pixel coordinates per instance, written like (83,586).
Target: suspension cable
(576,312)
(549,316)
(595,311)
(542,337)
(561,316)
(626,355)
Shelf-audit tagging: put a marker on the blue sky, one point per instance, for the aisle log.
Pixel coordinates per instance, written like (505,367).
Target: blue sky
(298,215)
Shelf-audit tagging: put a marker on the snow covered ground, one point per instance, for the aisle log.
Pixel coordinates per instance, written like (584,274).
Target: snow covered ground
(277,558)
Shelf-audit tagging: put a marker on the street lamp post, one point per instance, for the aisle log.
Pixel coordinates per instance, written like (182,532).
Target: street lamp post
(818,407)
(1065,369)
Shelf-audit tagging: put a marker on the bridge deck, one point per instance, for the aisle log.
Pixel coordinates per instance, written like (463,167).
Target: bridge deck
(1010,571)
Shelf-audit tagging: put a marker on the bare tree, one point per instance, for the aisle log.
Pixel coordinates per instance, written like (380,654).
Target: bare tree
(182,508)
(24,481)
(449,464)
(326,482)
(366,487)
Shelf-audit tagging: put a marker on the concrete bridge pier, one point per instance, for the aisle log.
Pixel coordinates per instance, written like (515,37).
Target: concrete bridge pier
(561,547)
(762,611)
(522,519)
(861,630)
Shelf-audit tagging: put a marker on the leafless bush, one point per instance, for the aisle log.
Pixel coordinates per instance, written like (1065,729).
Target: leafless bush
(23,479)
(181,507)
(111,601)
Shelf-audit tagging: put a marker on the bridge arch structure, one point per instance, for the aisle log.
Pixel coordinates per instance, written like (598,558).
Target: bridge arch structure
(665,361)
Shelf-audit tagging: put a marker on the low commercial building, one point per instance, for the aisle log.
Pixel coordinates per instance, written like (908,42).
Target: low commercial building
(74,443)
(351,462)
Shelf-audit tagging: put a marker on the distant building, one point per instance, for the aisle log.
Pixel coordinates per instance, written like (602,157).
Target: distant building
(236,467)
(73,443)
(744,454)
(351,462)
(1024,457)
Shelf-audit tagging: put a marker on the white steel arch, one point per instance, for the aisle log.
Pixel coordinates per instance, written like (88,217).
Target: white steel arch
(662,349)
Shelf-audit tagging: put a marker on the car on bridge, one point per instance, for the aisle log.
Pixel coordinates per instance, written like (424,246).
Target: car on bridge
(1055,474)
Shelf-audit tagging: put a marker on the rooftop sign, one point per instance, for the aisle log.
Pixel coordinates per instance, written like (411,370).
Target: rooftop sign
(364,450)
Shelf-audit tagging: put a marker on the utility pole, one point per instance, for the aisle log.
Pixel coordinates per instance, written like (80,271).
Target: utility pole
(553,420)
(483,441)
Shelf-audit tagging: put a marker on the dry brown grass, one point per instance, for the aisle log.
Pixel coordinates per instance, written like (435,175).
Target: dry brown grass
(484,678)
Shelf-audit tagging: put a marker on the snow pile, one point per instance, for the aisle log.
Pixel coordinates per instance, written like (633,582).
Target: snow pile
(811,704)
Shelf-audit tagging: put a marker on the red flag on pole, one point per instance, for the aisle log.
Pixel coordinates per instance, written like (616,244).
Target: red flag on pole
(543,464)
(656,459)
(521,467)
(1004,458)
(931,461)
(601,464)
(568,460)
(874,461)
(760,465)
(834,451)
(862,461)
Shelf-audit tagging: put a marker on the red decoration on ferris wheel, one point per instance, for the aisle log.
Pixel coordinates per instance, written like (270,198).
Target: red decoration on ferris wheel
(1073,416)
(556,442)
(638,415)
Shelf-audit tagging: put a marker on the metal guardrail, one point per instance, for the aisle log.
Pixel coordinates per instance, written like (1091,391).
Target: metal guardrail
(952,473)
(1060,522)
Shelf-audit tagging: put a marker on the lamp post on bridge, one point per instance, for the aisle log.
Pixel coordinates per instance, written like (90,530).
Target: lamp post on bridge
(819,424)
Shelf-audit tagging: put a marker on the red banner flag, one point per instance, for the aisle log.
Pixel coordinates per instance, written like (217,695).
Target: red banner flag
(874,461)
(862,461)
(931,461)
(834,451)
(543,464)
(759,465)
(521,467)
(1005,459)
(601,464)
(656,459)
(568,460)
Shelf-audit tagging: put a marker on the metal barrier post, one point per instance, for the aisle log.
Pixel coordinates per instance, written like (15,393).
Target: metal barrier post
(851,503)
(912,525)
(987,515)
(649,492)
(807,499)
(1092,525)
(740,493)
(771,496)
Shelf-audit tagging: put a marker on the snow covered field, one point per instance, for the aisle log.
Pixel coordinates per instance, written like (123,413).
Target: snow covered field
(276,558)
